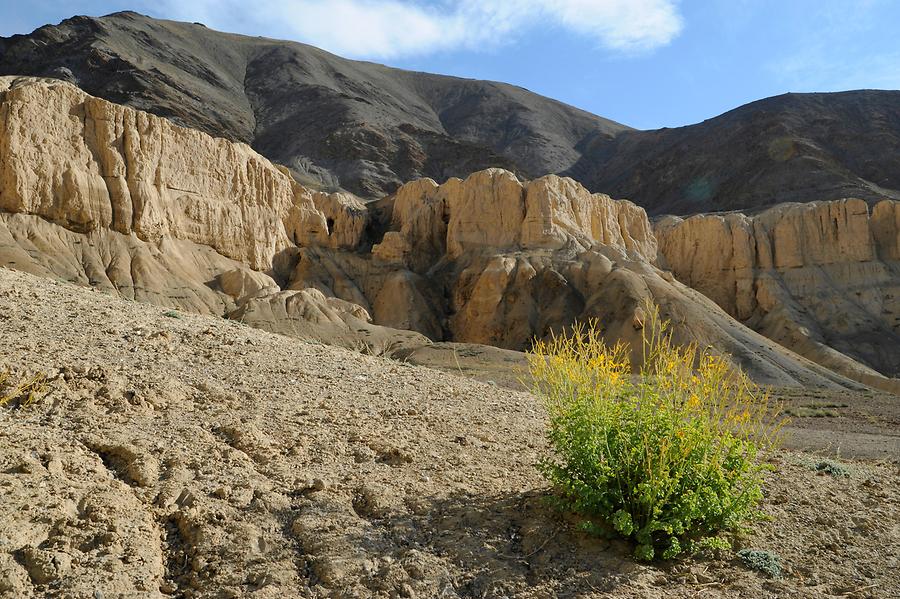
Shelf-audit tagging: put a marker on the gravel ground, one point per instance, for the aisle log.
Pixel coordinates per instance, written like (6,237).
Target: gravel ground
(190,456)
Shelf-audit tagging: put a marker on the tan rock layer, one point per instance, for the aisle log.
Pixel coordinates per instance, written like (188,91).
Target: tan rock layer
(88,164)
(822,278)
(493,210)
(492,260)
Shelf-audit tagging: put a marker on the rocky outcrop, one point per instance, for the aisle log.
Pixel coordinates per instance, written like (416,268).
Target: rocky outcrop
(88,164)
(170,273)
(821,278)
(309,314)
(127,202)
(885,226)
(475,260)
(492,260)
(243,285)
(492,210)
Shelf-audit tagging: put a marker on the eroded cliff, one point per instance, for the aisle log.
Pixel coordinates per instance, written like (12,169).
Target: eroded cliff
(496,261)
(822,278)
(100,194)
(104,195)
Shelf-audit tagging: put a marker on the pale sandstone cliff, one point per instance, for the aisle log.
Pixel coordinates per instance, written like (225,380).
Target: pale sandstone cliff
(103,195)
(492,260)
(88,164)
(821,278)
(99,194)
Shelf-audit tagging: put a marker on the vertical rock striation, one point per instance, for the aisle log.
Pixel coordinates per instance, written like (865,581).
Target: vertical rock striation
(88,164)
(822,278)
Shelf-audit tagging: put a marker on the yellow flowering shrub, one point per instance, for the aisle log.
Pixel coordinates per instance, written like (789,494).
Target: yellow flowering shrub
(667,454)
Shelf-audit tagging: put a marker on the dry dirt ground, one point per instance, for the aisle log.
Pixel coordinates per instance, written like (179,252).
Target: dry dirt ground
(854,424)
(189,456)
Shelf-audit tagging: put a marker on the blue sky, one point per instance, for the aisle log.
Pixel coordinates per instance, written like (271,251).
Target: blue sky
(645,63)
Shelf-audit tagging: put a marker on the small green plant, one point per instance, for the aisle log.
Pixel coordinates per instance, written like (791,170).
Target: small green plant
(24,393)
(762,561)
(171,314)
(815,410)
(667,455)
(835,469)
(825,404)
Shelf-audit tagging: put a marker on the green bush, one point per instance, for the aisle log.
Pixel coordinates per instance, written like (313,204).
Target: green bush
(666,455)
(762,561)
(835,469)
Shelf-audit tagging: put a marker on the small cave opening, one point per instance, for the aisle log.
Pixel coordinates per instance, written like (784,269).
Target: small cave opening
(329,226)
(377,224)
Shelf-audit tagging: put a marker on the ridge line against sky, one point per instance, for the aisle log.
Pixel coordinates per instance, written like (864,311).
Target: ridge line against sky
(644,63)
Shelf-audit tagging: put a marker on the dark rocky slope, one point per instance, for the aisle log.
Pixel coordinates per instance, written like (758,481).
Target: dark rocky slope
(339,123)
(788,148)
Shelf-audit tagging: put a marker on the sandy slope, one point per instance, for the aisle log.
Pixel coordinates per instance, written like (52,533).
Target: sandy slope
(197,457)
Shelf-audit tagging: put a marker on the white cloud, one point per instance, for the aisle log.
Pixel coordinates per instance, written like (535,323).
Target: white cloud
(396,28)
(623,25)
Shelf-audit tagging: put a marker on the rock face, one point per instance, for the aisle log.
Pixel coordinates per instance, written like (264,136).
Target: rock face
(492,260)
(360,126)
(88,164)
(499,245)
(821,278)
(127,202)
(309,314)
(457,256)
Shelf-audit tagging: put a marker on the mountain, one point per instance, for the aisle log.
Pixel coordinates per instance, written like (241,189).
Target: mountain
(368,128)
(789,148)
(177,421)
(102,194)
(359,126)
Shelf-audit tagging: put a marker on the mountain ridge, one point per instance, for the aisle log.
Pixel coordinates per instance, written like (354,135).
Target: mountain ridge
(795,147)
(357,125)
(367,128)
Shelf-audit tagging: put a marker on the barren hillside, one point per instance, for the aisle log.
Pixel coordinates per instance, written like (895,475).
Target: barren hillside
(361,126)
(788,148)
(189,456)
